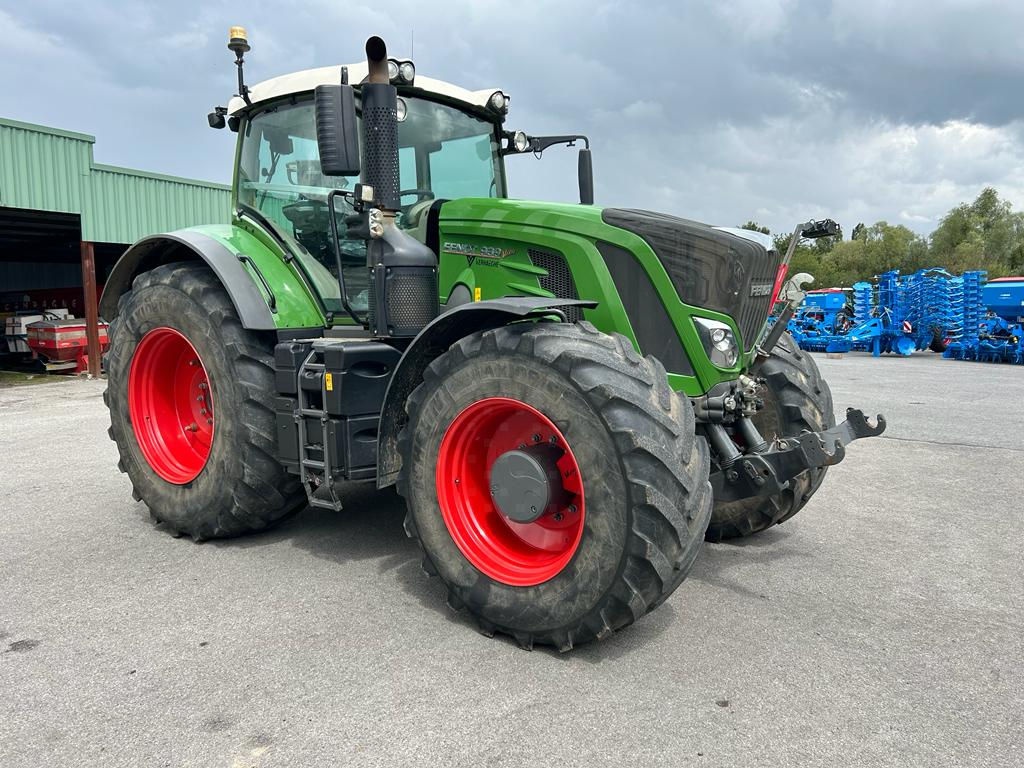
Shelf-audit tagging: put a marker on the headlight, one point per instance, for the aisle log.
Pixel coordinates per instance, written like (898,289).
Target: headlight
(401,110)
(407,71)
(520,141)
(719,342)
(498,102)
(392,69)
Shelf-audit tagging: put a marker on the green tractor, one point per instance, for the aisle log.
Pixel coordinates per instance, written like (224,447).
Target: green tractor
(569,398)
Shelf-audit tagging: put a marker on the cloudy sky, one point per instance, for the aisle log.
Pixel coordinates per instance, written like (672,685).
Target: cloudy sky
(776,110)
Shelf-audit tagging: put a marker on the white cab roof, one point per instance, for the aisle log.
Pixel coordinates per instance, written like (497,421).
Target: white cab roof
(308,79)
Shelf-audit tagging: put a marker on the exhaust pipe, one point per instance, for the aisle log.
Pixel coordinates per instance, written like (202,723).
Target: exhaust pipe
(377,59)
(380,129)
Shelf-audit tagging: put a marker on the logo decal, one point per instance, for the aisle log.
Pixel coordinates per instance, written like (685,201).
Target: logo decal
(474,252)
(761,288)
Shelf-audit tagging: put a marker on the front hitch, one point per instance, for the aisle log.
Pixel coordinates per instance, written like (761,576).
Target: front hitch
(769,472)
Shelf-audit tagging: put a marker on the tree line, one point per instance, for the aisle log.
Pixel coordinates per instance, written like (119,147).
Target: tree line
(985,234)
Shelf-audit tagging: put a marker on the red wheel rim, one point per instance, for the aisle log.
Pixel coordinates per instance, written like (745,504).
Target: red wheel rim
(518,554)
(171,405)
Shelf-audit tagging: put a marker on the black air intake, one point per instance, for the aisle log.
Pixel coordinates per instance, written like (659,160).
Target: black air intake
(403,285)
(558,280)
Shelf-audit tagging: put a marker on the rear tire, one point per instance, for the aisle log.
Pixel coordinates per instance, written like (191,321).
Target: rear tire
(797,399)
(645,499)
(938,343)
(231,482)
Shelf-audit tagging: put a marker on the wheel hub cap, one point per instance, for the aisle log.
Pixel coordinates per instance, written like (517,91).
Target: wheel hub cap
(524,483)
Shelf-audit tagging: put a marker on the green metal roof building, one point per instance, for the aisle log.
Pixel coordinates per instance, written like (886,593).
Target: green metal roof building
(65,219)
(54,198)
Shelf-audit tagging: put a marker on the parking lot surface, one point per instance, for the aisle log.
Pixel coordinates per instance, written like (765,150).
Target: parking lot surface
(884,625)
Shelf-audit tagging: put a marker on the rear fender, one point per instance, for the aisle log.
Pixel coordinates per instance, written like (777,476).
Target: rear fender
(266,292)
(434,340)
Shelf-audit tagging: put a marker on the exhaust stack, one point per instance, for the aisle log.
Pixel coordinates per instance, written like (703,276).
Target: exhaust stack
(380,129)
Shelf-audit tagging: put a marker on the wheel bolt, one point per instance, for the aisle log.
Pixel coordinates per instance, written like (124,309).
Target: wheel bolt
(193,427)
(202,411)
(456,481)
(202,385)
(209,421)
(558,516)
(572,508)
(536,438)
(553,440)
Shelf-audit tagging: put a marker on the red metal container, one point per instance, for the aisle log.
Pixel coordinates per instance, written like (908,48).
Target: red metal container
(62,344)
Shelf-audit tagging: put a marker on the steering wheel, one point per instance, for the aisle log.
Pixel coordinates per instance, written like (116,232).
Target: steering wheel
(307,214)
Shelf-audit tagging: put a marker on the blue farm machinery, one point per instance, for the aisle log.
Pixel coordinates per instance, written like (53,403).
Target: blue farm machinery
(898,315)
(991,324)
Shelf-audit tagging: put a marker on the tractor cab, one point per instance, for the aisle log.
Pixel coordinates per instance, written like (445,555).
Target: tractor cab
(451,145)
(449,140)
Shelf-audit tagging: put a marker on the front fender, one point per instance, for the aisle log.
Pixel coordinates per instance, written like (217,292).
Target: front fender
(434,340)
(266,292)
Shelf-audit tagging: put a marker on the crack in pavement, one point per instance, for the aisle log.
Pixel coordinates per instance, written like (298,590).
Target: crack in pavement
(954,445)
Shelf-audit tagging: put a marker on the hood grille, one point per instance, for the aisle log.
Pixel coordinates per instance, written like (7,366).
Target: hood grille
(709,267)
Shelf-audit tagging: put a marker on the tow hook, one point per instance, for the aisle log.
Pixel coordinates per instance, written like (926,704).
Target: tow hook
(769,472)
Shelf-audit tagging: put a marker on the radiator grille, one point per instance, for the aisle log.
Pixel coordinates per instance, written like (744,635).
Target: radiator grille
(709,267)
(558,280)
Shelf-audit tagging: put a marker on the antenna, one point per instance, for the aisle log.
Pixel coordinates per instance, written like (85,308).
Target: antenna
(412,43)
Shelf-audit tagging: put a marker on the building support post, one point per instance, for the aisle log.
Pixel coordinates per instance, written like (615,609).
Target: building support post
(92,330)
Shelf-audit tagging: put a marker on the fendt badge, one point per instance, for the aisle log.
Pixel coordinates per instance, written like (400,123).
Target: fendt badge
(474,252)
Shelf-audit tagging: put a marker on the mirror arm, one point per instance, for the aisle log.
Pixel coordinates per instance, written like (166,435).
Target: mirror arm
(539,143)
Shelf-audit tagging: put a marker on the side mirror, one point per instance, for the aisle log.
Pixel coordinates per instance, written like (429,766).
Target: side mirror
(337,131)
(586,174)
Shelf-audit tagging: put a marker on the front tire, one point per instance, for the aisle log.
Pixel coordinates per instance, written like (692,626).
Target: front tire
(629,517)
(797,399)
(190,394)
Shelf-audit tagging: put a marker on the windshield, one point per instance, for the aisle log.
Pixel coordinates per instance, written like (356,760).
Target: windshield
(443,154)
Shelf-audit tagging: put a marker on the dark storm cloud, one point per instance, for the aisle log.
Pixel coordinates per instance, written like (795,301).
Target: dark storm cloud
(910,61)
(771,109)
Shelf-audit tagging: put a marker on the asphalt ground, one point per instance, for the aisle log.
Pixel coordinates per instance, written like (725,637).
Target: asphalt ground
(884,625)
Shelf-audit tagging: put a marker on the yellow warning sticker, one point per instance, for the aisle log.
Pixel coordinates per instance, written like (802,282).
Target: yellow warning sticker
(329,382)
(476,294)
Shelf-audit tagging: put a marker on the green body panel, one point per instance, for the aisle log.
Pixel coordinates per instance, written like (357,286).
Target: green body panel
(296,306)
(484,244)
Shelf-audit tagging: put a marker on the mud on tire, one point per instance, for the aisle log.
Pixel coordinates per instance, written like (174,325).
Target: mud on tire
(242,486)
(644,473)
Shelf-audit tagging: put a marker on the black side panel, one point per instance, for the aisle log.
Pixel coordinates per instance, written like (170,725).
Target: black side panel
(434,227)
(646,312)
(558,280)
(708,267)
